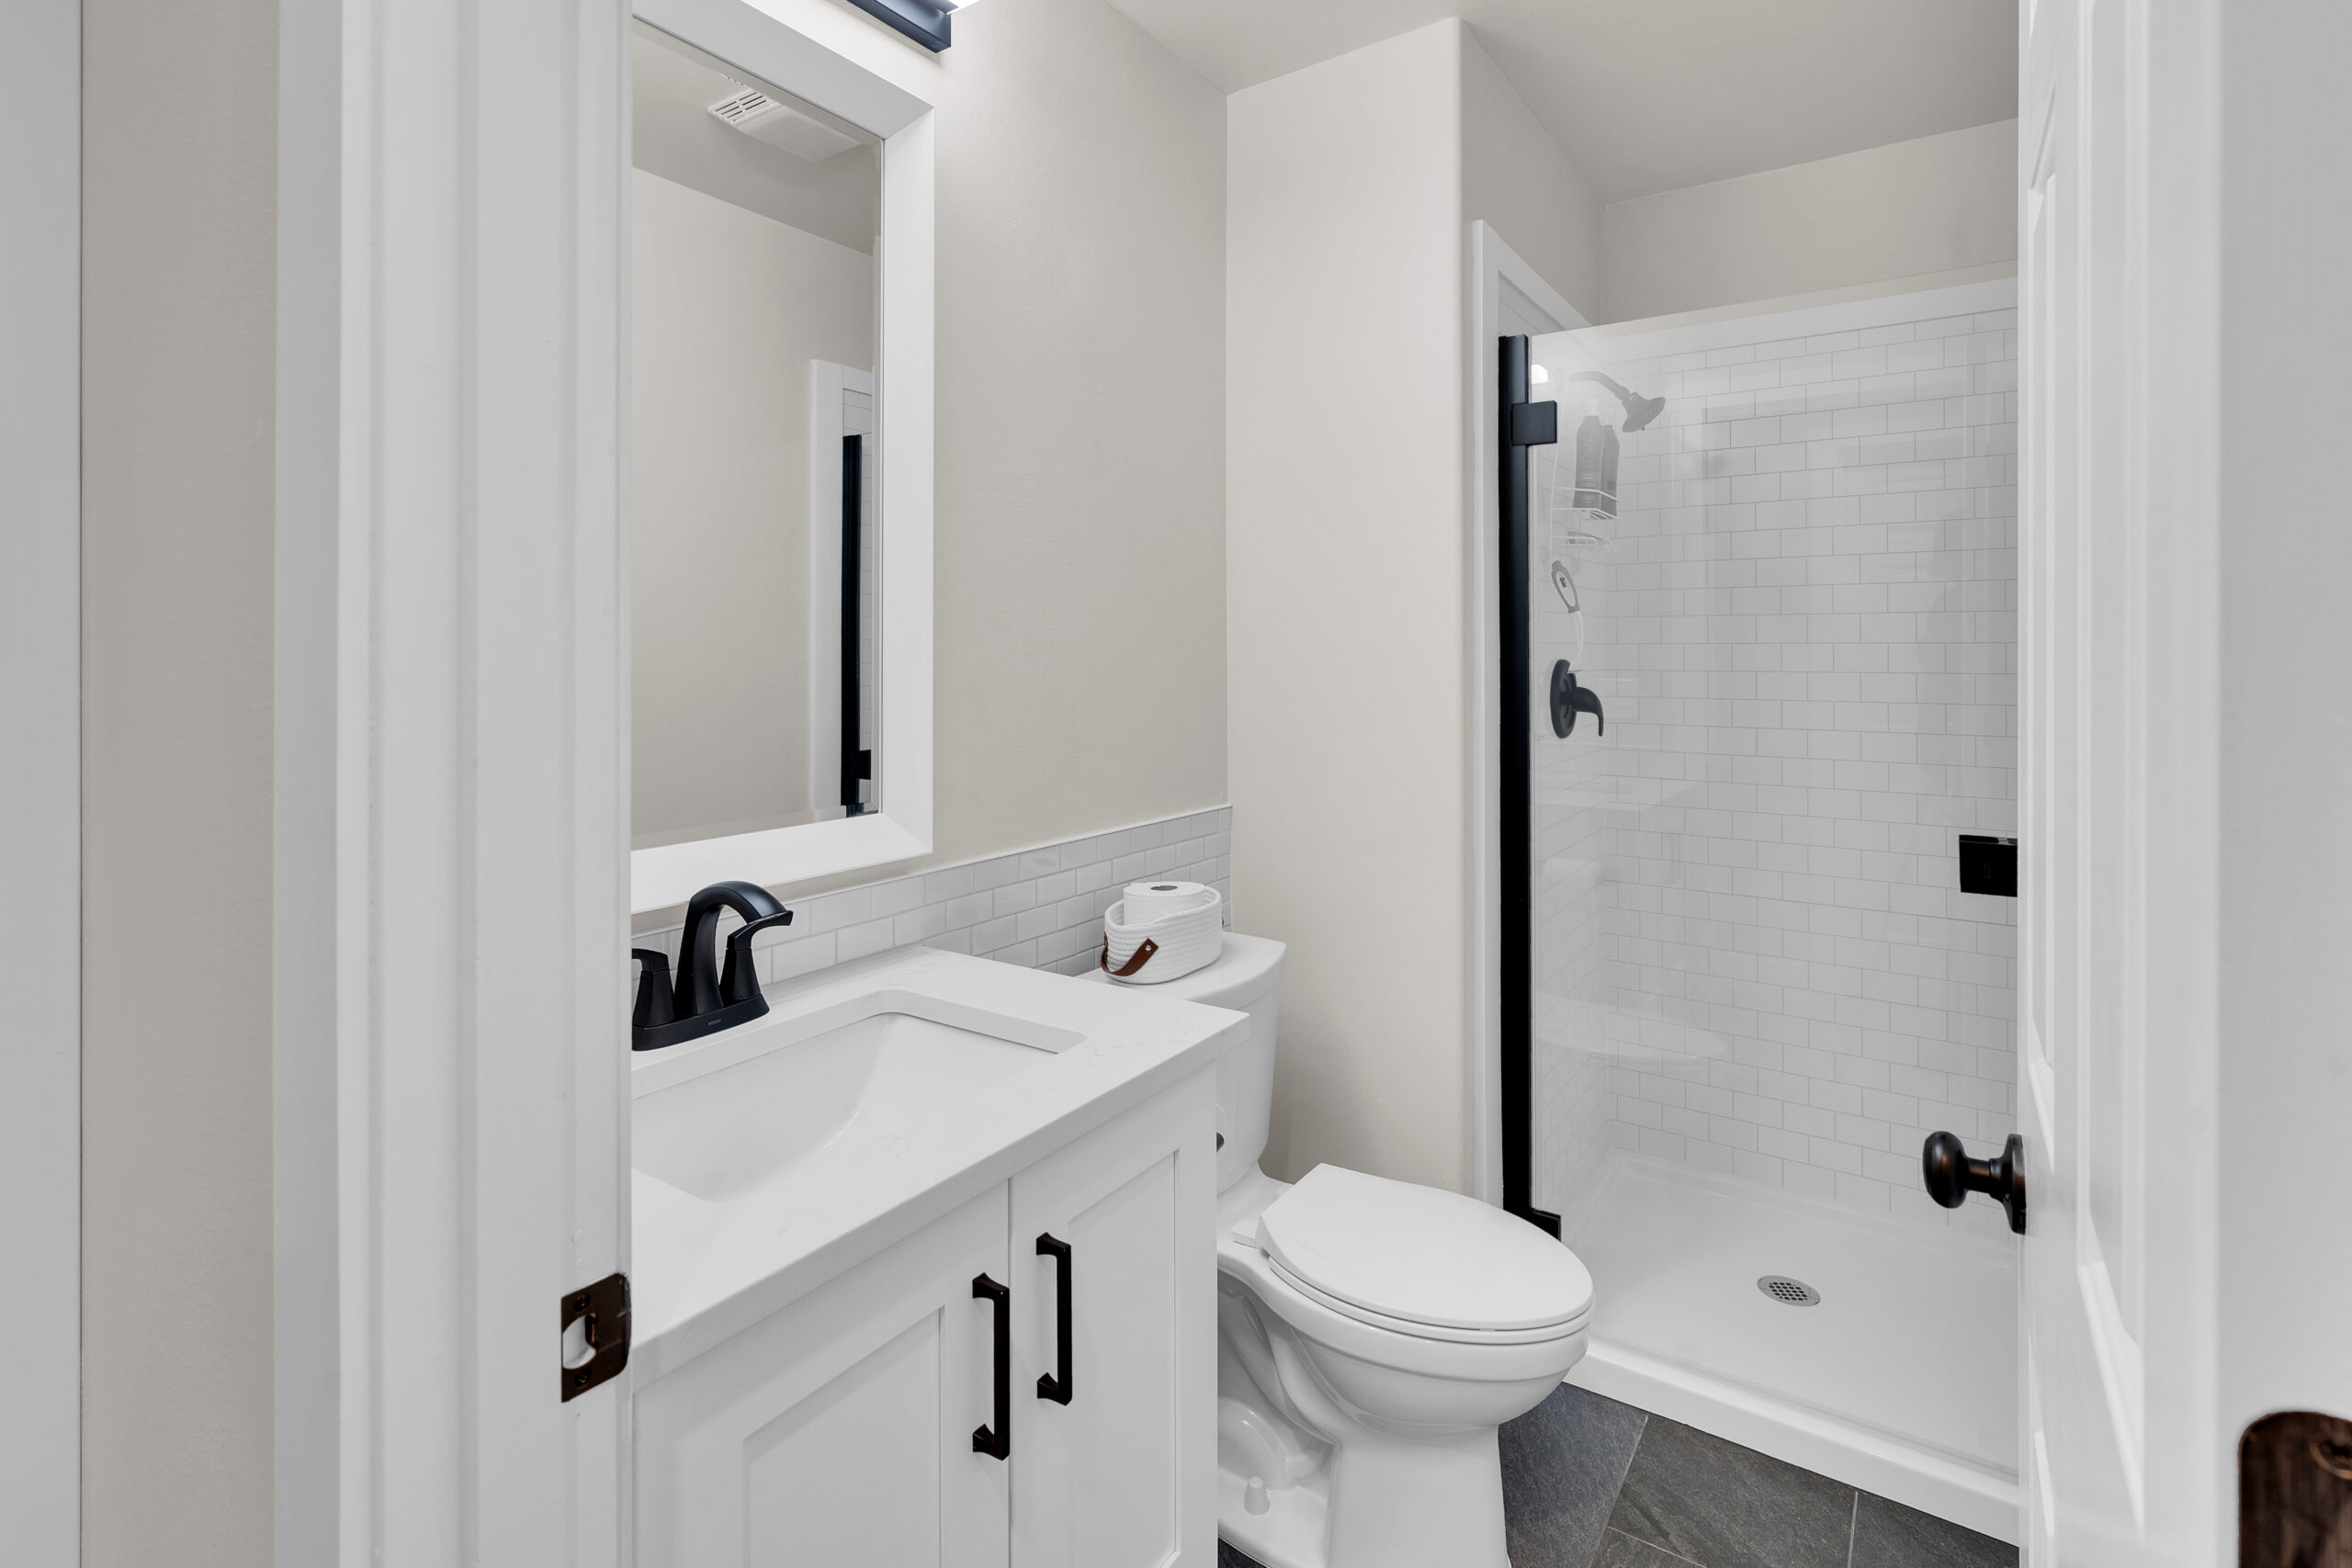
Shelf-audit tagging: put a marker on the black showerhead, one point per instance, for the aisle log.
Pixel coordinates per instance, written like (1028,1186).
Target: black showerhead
(1639,411)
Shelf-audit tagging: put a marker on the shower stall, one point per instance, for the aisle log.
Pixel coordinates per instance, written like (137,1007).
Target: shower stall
(1769,655)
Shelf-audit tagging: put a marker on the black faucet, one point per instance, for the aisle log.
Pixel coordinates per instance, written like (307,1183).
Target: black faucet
(706,999)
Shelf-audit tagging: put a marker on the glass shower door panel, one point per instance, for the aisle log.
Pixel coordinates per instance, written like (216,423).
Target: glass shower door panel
(1577,801)
(1780,552)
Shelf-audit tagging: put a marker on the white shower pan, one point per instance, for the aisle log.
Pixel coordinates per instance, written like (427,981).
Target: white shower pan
(1902,1379)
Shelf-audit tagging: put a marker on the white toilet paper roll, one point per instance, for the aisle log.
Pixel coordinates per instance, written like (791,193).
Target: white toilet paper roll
(1150,902)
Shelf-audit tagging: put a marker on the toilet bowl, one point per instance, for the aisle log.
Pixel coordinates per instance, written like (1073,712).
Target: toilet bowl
(1372,1335)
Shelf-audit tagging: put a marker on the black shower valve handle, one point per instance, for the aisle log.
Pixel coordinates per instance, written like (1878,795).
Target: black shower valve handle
(1570,698)
(1950,1175)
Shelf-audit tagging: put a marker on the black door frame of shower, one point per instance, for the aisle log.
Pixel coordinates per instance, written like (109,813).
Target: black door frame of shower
(1524,424)
(856,764)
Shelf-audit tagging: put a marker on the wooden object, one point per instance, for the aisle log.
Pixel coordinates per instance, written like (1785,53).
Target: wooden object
(2295,1492)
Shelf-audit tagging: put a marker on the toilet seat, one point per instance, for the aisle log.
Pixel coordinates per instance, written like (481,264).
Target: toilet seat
(1439,1333)
(1423,1262)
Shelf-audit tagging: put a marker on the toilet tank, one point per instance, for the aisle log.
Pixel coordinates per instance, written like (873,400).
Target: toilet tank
(1247,977)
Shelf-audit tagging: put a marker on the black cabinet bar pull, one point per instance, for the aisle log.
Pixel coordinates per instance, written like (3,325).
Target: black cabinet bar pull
(1056,1385)
(997,1441)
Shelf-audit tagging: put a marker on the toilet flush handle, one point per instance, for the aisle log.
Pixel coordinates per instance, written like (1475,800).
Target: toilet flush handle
(1951,1176)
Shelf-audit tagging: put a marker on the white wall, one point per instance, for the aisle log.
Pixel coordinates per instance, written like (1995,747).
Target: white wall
(41,778)
(1080,508)
(1515,176)
(1934,205)
(730,309)
(178,254)
(1346,597)
(2284,750)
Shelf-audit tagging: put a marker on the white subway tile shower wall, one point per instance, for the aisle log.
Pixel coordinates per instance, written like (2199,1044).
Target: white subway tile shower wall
(1753,953)
(1040,908)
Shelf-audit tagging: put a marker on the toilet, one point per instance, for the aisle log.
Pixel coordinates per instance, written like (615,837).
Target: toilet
(1371,1333)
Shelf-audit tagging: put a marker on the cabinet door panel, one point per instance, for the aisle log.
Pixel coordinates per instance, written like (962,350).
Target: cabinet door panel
(850,1474)
(1122,1476)
(840,1429)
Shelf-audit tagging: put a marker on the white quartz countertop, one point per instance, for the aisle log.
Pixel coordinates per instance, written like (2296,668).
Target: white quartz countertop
(703,1271)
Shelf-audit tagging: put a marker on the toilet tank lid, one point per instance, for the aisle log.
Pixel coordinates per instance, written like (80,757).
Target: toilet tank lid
(1244,971)
(1423,1255)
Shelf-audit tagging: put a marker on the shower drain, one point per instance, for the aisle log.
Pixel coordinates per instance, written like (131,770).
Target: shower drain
(1790,1292)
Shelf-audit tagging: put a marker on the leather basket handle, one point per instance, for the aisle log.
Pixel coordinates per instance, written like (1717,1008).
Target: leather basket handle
(1135,959)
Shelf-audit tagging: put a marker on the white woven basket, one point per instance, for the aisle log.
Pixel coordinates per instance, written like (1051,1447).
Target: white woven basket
(1180,942)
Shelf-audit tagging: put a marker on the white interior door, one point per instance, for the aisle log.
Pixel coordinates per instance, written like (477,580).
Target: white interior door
(2117,811)
(451,948)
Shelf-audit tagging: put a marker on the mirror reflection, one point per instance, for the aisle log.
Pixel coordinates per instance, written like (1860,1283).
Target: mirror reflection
(753,592)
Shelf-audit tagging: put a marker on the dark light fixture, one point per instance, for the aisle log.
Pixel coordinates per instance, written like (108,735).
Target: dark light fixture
(925,21)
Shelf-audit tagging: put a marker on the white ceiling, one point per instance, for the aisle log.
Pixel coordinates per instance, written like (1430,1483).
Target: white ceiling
(1655,94)
(674,135)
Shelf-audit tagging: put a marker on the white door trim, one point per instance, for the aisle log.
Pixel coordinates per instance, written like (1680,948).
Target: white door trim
(451,786)
(41,778)
(829,385)
(1493,266)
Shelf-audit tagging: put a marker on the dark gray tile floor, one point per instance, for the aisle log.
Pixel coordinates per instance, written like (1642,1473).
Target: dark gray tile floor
(1588,1483)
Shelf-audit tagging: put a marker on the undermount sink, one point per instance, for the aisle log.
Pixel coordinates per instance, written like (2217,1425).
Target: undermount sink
(732,1128)
(875,1098)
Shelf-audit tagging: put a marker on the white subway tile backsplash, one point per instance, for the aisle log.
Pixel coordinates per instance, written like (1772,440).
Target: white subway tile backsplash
(1039,909)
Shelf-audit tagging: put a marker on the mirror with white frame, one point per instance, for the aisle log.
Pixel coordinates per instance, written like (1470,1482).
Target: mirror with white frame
(779,560)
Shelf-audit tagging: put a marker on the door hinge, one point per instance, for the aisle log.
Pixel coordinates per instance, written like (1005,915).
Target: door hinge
(594,1344)
(1532,424)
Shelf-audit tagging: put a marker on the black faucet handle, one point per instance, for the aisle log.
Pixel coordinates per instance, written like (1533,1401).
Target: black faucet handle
(1569,699)
(655,1003)
(1588,701)
(740,982)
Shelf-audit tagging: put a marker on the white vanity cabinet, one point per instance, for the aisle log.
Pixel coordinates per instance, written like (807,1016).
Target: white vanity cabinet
(839,1428)
(1122,1472)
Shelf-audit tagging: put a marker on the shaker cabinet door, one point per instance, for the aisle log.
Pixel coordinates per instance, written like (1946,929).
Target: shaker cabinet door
(1114,1452)
(840,1429)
